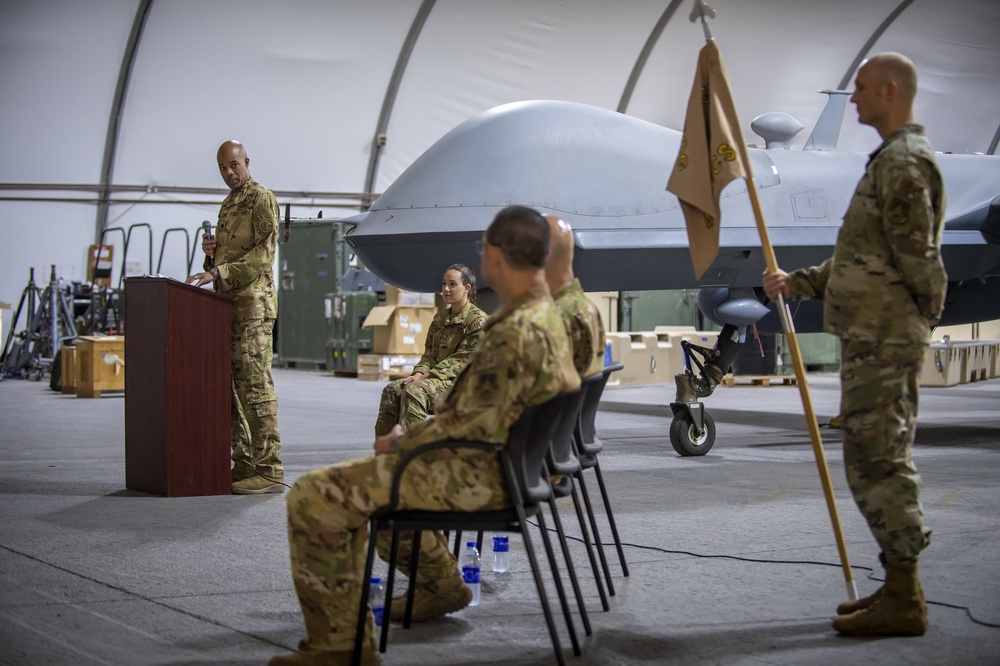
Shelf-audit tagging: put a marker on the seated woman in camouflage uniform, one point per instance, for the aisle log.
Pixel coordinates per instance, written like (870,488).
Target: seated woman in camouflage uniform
(454,333)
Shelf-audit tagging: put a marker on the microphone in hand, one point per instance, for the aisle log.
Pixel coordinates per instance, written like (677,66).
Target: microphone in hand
(206,227)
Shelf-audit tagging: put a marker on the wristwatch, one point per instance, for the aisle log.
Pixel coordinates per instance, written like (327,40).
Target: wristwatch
(394,445)
(215,272)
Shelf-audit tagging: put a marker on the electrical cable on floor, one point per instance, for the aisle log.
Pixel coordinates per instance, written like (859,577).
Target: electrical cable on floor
(161,602)
(871,571)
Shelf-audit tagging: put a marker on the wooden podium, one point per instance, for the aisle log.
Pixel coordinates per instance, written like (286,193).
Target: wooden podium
(178,388)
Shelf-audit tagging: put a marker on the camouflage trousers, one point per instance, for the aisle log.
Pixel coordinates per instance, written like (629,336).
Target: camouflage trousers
(328,517)
(254,422)
(879,398)
(407,404)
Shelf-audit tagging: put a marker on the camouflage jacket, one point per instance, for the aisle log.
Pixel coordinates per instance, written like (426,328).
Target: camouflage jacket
(247,234)
(450,339)
(583,323)
(886,282)
(523,359)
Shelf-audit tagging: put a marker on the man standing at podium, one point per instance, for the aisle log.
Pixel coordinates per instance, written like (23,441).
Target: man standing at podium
(239,260)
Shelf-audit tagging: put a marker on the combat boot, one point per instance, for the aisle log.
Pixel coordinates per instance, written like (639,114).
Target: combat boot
(306,656)
(257,485)
(901,610)
(849,607)
(450,596)
(369,657)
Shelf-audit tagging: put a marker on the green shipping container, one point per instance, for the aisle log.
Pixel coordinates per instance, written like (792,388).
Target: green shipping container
(308,272)
(347,312)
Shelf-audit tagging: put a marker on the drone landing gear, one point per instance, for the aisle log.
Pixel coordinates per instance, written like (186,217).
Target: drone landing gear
(692,431)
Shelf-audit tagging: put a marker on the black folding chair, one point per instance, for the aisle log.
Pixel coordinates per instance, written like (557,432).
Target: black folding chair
(588,446)
(522,459)
(564,462)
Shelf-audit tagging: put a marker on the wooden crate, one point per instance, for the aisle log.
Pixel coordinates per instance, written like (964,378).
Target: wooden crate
(69,369)
(101,365)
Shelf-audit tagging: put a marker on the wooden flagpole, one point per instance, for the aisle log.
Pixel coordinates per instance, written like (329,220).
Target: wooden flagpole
(701,11)
(800,375)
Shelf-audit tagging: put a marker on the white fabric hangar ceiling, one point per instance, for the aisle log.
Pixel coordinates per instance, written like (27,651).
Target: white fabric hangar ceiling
(307,85)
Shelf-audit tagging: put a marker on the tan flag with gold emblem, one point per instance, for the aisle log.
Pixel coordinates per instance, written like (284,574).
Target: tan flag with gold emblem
(709,158)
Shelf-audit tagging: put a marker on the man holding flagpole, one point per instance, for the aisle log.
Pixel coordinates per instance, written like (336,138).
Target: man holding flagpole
(884,290)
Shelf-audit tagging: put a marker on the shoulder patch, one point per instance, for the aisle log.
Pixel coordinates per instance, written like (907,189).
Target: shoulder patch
(905,192)
(907,188)
(264,225)
(475,325)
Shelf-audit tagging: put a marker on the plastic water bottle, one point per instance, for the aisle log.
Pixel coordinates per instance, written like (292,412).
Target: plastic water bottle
(376,599)
(501,554)
(607,353)
(470,570)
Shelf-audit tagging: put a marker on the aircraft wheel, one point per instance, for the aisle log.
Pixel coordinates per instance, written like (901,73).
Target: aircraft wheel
(684,439)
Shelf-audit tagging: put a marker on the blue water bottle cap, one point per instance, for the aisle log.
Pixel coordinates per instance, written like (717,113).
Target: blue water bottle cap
(470,544)
(376,581)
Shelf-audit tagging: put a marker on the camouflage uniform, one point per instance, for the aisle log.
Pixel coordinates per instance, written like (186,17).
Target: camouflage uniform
(884,289)
(523,359)
(450,339)
(247,234)
(583,322)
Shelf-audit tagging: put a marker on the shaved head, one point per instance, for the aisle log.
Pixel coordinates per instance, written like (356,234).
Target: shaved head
(562,241)
(234,165)
(898,69)
(884,89)
(559,269)
(231,148)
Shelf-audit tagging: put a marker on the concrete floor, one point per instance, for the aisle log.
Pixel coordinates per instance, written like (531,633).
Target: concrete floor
(732,555)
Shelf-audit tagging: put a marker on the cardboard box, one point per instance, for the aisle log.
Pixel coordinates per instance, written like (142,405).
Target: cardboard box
(101,366)
(385,367)
(399,329)
(413,299)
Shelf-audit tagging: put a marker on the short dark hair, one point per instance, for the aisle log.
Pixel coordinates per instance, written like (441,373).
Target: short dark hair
(468,277)
(522,234)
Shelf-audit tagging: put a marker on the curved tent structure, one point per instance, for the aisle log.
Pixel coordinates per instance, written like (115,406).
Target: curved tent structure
(112,109)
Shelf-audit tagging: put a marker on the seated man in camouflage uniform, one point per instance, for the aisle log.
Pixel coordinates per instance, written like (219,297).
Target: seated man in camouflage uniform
(581,316)
(523,359)
(456,330)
